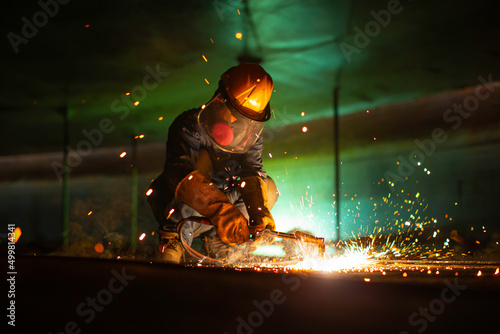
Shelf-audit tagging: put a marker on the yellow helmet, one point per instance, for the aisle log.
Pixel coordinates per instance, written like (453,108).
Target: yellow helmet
(248,88)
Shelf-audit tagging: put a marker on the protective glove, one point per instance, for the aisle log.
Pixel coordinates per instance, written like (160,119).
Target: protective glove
(254,193)
(202,195)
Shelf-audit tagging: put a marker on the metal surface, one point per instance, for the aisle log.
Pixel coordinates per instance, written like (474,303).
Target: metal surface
(154,297)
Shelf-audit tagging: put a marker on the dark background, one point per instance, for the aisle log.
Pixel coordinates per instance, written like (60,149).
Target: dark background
(394,89)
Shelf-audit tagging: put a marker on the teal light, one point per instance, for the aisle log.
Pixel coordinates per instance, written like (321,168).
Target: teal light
(269,250)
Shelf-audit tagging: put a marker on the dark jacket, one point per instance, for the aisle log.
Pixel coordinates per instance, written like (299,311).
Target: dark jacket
(185,139)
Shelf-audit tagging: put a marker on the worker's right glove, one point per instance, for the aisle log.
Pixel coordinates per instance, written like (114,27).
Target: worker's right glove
(202,195)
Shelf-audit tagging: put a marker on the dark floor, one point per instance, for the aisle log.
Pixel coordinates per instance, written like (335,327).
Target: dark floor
(66,295)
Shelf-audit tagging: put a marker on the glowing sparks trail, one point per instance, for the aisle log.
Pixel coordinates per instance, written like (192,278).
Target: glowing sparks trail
(351,260)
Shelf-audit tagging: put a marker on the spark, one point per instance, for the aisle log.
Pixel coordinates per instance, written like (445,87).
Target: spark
(123,154)
(149,192)
(304,129)
(14,237)
(127,93)
(90,212)
(204,58)
(270,155)
(479,273)
(136,103)
(302,114)
(239,35)
(143,235)
(160,118)
(208,83)
(87,25)
(497,271)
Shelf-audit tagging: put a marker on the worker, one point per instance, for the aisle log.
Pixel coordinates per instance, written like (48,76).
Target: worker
(213,167)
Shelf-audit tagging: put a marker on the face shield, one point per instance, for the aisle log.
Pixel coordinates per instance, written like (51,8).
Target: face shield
(228,129)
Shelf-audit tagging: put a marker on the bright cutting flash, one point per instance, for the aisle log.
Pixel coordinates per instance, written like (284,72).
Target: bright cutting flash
(353,257)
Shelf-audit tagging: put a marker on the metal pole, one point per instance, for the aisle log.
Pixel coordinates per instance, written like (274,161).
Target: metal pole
(336,130)
(134,199)
(65,178)
(337,155)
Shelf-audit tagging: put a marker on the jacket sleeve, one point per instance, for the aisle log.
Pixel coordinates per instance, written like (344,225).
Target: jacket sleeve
(251,161)
(182,149)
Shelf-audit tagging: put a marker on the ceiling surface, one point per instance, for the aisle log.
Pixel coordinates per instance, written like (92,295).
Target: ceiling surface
(84,56)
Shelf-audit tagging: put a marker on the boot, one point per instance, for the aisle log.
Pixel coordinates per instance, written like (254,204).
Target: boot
(170,248)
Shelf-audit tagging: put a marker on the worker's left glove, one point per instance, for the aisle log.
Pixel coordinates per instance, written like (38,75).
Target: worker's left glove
(254,193)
